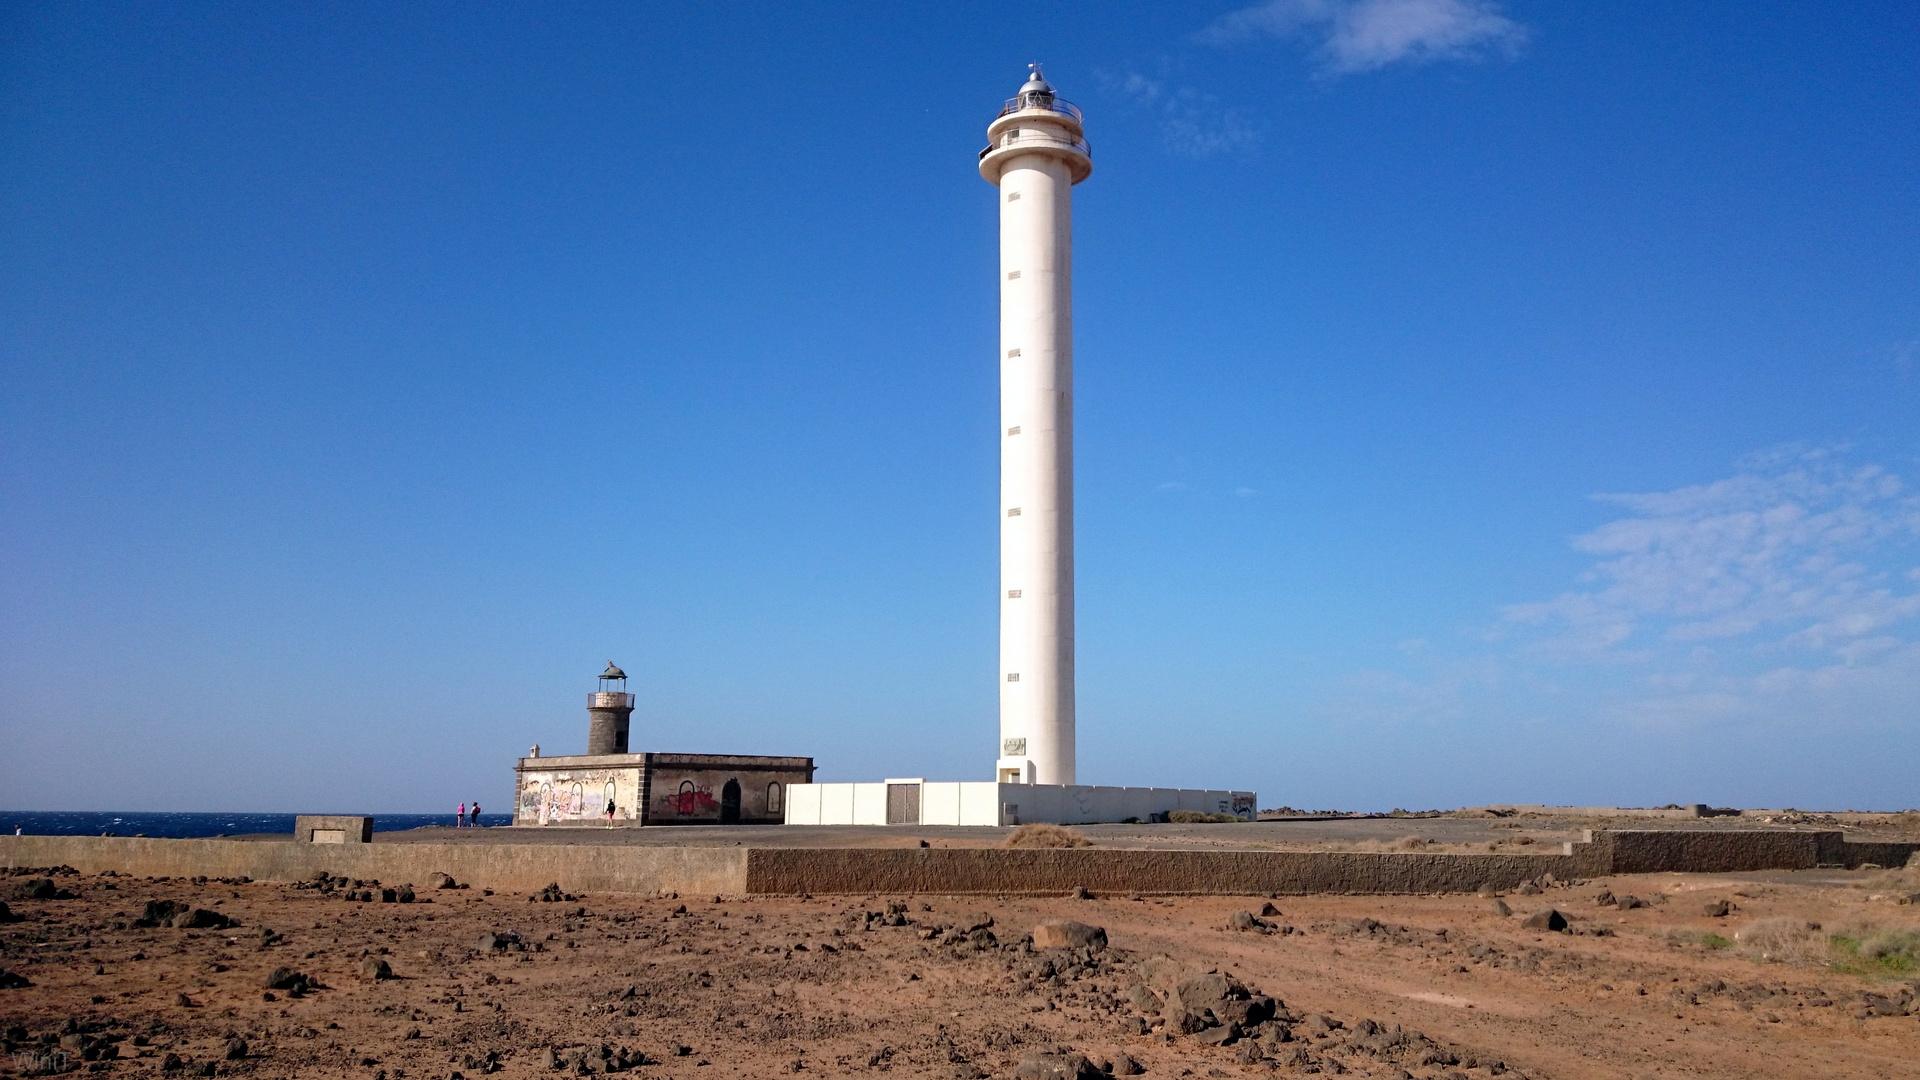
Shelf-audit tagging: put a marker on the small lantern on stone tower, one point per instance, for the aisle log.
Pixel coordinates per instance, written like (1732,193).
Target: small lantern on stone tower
(609,713)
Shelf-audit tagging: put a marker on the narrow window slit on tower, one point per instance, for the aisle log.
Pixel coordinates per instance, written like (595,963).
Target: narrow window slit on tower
(1013,594)
(1011,353)
(1014,430)
(1013,275)
(1013,196)
(1013,676)
(1015,512)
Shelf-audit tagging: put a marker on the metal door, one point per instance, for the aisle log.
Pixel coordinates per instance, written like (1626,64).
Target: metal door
(903,804)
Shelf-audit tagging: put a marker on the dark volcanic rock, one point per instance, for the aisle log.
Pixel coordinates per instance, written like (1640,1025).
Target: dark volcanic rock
(1056,1067)
(1067,934)
(1225,1035)
(1145,999)
(159,913)
(1245,920)
(287,979)
(1545,919)
(201,919)
(37,889)
(1222,998)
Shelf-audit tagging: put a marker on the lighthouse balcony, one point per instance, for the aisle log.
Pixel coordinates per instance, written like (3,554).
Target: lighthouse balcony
(1011,142)
(602,700)
(1022,138)
(1043,102)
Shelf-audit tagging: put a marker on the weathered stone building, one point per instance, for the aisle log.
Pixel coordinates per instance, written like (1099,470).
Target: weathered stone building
(649,788)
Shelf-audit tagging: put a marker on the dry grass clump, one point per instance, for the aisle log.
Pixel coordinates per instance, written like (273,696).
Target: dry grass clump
(1782,941)
(1047,836)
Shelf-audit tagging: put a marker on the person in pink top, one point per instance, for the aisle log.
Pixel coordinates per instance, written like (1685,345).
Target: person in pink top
(460,816)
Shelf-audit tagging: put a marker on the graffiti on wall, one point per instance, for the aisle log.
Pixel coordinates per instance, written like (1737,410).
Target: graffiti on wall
(1243,806)
(552,798)
(689,800)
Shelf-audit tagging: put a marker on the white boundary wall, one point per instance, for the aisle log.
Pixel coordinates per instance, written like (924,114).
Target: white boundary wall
(986,803)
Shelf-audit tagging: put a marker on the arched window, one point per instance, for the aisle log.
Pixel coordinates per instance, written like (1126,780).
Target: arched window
(773,798)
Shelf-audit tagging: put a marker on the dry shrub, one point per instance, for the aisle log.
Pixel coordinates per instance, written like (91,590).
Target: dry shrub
(1197,817)
(1047,836)
(1413,843)
(1782,941)
(1895,950)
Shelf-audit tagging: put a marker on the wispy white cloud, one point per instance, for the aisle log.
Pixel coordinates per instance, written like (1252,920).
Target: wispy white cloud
(1192,123)
(1782,600)
(1775,558)
(1366,35)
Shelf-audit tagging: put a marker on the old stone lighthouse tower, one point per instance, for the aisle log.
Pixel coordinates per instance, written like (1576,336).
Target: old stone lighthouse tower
(1036,151)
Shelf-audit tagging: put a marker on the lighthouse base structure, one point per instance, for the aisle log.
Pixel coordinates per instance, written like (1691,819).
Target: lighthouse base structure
(923,802)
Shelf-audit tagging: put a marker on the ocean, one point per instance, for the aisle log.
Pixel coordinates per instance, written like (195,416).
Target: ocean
(184,826)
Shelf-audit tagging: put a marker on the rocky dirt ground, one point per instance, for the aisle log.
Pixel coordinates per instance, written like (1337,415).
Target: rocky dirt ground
(276,979)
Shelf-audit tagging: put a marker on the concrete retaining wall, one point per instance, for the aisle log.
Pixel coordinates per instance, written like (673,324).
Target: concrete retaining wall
(585,868)
(590,868)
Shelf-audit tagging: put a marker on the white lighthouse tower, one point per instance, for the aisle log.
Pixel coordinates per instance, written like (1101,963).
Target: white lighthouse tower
(1036,151)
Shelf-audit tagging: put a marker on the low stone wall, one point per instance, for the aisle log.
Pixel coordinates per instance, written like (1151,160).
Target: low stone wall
(1133,870)
(1836,850)
(585,868)
(589,868)
(1724,851)
(1706,851)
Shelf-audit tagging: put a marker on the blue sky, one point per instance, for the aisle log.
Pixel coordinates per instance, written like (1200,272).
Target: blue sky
(1476,402)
